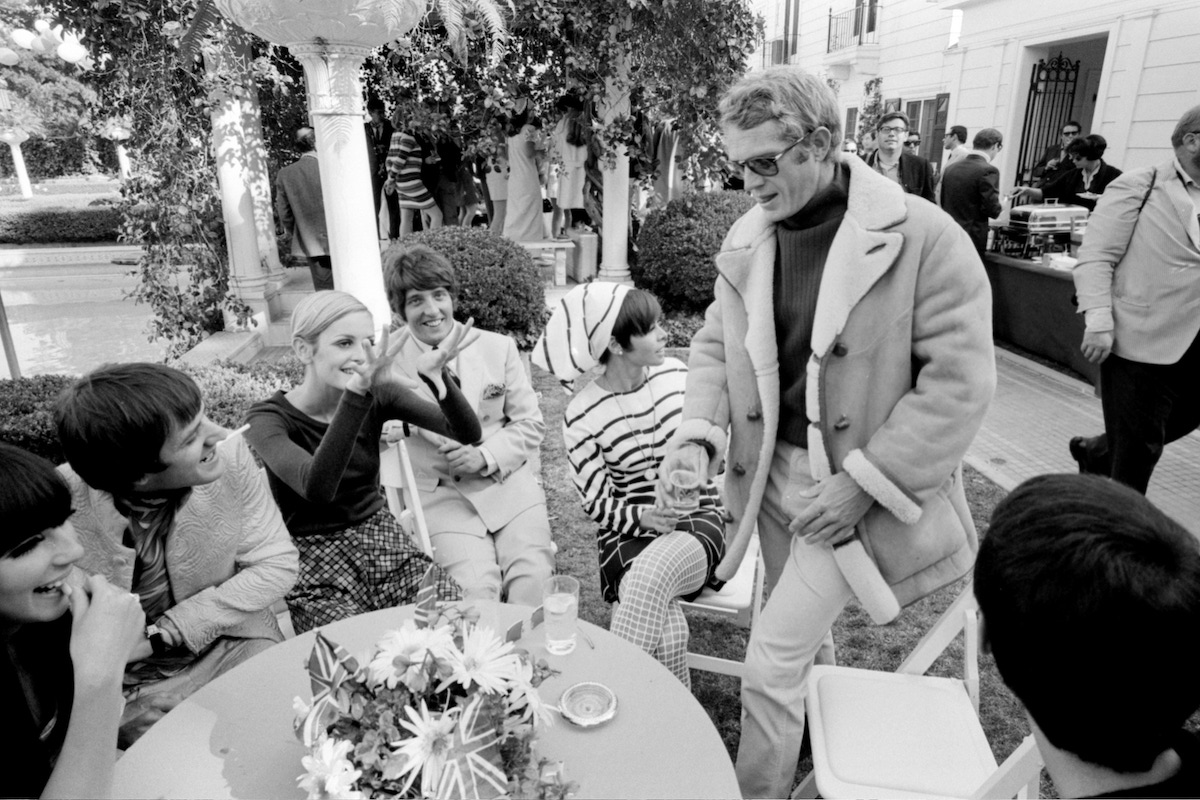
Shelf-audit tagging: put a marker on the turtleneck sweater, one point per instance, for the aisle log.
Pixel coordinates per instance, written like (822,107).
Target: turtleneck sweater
(803,241)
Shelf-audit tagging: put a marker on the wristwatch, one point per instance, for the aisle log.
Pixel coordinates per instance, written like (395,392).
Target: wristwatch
(159,642)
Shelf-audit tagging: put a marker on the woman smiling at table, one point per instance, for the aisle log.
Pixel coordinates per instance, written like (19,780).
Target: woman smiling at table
(61,673)
(320,445)
(616,429)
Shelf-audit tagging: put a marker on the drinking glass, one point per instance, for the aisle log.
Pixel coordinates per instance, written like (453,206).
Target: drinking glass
(560,602)
(686,480)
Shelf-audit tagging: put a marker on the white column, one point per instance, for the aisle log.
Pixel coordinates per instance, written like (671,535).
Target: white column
(331,71)
(614,265)
(13,138)
(246,277)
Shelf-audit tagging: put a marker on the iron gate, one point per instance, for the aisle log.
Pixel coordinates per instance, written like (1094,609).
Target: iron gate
(1051,97)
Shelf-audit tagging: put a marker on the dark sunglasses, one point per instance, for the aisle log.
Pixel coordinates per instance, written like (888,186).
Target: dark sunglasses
(766,166)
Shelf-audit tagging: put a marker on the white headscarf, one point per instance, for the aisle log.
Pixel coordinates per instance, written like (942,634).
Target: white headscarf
(579,330)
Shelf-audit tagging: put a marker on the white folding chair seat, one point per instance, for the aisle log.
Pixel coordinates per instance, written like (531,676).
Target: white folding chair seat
(739,600)
(908,735)
(400,488)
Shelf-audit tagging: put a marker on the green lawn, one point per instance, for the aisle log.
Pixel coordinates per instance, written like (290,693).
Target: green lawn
(859,642)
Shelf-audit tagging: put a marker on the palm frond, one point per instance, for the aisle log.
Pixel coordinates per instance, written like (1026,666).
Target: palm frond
(497,31)
(203,24)
(451,14)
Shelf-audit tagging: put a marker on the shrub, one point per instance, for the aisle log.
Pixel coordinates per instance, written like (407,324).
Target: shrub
(681,328)
(26,413)
(677,244)
(98,223)
(27,405)
(498,283)
(230,389)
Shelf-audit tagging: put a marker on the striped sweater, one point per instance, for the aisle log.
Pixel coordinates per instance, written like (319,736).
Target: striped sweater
(615,442)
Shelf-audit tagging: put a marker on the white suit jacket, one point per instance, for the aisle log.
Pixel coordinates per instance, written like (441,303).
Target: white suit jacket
(1145,267)
(496,385)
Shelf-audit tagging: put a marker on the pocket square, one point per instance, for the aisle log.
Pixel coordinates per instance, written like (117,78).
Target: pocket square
(493,390)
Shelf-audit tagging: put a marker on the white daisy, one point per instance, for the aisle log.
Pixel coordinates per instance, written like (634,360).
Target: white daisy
(523,700)
(425,752)
(400,655)
(330,773)
(484,661)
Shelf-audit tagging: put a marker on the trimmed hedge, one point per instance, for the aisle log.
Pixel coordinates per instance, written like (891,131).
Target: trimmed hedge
(27,405)
(677,244)
(26,418)
(498,283)
(97,222)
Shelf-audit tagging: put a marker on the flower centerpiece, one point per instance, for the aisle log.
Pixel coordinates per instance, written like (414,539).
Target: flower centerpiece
(444,707)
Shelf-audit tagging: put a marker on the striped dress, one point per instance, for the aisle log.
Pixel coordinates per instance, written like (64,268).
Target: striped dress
(404,167)
(615,442)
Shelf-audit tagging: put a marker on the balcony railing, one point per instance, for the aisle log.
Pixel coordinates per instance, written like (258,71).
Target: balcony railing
(852,28)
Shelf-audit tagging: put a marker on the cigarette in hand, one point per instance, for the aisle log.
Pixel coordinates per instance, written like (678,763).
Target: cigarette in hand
(234,434)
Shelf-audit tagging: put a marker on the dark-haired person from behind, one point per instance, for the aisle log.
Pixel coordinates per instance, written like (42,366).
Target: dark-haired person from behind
(1091,604)
(65,642)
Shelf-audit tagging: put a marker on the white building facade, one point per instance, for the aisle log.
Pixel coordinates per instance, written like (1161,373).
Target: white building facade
(1125,69)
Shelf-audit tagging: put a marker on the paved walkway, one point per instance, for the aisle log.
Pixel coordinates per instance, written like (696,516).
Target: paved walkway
(1037,410)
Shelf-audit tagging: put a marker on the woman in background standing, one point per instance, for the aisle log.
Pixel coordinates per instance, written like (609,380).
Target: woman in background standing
(524,222)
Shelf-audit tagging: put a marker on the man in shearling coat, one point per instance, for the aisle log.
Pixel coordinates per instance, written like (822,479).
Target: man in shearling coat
(844,403)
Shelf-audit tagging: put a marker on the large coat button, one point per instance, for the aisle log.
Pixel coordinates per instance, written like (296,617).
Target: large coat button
(842,423)
(738,469)
(754,416)
(839,350)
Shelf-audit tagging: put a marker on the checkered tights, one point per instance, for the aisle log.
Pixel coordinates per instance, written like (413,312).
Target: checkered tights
(362,568)
(649,614)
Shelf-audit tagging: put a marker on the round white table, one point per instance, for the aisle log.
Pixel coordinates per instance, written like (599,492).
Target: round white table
(234,739)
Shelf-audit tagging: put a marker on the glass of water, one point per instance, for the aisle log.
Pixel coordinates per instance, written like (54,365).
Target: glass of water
(686,481)
(560,602)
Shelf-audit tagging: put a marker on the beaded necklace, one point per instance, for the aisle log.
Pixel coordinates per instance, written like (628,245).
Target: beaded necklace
(651,474)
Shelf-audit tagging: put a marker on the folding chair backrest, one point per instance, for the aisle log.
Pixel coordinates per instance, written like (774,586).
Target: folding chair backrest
(961,615)
(403,499)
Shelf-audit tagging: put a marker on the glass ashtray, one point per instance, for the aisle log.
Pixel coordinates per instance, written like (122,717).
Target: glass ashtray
(588,704)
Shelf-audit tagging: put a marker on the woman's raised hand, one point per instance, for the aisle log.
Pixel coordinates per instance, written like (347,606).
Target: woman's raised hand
(430,363)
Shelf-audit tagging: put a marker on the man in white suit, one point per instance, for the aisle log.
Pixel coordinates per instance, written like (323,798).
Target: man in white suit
(485,509)
(1138,282)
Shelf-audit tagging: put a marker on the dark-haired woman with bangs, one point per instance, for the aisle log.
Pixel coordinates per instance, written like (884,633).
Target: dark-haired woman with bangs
(616,429)
(1083,184)
(61,673)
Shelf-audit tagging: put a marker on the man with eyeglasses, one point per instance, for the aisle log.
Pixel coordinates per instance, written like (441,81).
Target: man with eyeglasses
(908,169)
(955,144)
(1055,159)
(847,363)
(1138,283)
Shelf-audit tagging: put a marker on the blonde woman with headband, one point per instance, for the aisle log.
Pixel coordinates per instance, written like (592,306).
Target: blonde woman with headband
(320,445)
(652,553)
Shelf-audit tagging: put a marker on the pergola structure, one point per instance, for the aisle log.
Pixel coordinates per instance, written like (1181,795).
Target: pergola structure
(331,39)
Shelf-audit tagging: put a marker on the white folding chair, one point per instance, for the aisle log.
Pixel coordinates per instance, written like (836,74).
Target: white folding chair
(403,499)
(739,600)
(908,735)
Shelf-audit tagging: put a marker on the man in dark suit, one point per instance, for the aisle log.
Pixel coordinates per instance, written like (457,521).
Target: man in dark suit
(302,210)
(911,171)
(1055,161)
(379,137)
(971,187)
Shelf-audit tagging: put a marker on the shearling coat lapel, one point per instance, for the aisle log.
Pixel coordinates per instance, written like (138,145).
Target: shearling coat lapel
(861,253)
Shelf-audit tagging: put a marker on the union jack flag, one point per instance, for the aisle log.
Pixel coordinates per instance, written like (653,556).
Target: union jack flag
(329,666)
(426,605)
(474,769)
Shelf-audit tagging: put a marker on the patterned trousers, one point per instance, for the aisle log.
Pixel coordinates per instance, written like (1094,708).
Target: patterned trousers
(365,567)
(649,614)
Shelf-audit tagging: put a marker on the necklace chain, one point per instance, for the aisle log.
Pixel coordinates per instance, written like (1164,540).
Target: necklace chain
(651,473)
